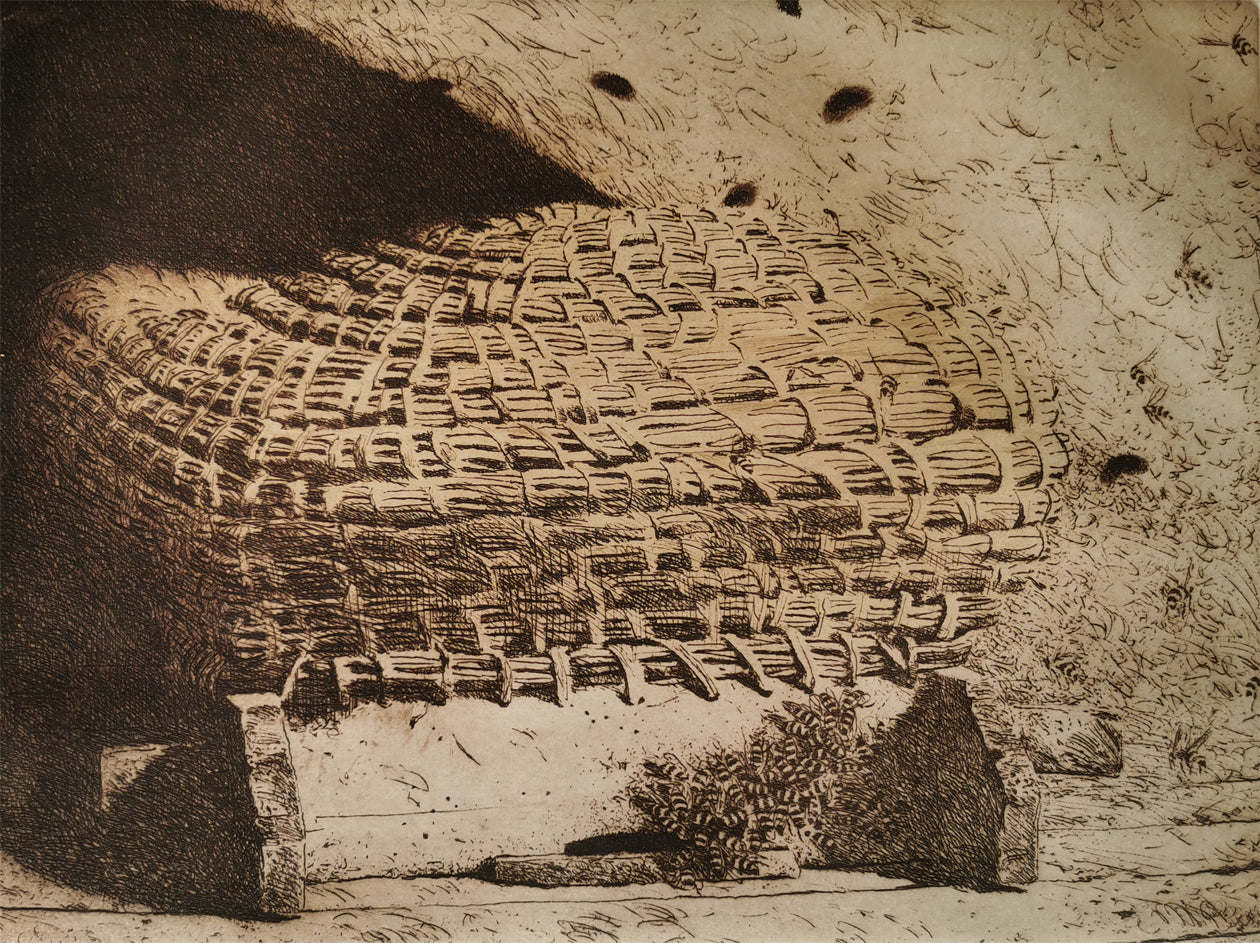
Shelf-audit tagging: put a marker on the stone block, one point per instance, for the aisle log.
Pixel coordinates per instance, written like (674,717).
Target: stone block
(1075,741)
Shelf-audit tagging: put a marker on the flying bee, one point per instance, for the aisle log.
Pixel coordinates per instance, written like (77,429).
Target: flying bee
(1138,372)
(1154,408)
(1240,44)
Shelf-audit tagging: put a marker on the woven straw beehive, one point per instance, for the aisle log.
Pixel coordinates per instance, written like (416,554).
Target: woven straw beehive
(579,447)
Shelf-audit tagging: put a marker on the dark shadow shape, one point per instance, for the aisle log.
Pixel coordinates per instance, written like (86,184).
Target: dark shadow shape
(742,194)
(613,84)
(626,843)
(928,805)
(184,135)
(845,103)
(181,135)
(790,7)
(1118,466)
(96,599)
(179,838)
(107,628)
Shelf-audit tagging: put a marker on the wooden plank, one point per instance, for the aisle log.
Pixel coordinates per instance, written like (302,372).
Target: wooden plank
(283,869)
(746,654)
(935,655)
(622,868)
(1017,838)
(694,666)
(579,870)
(896,653)
(632,670)
(1070,802)
(277,814)
(563,673)
(800,651)
(448,670)
(505,678)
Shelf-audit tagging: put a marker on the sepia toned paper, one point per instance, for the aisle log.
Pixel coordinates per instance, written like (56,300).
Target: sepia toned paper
(522,470)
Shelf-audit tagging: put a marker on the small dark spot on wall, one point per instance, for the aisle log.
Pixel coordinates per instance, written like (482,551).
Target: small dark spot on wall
(613,84)
(790,7)
(845,103)
(742,194)
(1118,466)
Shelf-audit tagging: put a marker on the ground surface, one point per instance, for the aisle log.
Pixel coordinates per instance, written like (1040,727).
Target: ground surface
(1124,859)
(816,906)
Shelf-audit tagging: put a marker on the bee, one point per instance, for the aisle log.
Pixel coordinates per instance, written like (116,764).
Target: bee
(1154,408)
(1138,373)
(1176,598)
(1239,44)
(1195,279)
(1251,690)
